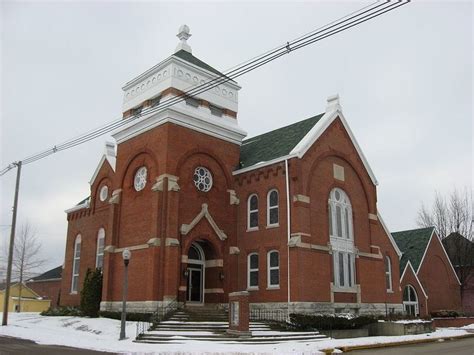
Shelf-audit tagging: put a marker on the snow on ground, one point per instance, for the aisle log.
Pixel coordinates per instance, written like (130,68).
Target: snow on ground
(102,334)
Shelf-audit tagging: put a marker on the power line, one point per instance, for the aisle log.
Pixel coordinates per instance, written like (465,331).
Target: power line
(344,23)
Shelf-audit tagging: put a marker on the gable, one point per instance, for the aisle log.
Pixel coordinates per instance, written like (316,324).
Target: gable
(410,272)
(50,274)
(435,243)
(413,244)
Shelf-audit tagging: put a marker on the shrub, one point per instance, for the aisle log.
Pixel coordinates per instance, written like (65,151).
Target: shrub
(91,293)
(62,311)
(133,317)
(446,314)
(322,322)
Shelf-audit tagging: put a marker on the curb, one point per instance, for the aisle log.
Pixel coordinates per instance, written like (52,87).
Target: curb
(395,343)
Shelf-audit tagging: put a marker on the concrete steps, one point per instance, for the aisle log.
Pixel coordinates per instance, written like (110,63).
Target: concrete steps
(210,324)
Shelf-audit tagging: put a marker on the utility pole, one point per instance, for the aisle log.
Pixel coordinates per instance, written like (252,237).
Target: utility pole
(10,250)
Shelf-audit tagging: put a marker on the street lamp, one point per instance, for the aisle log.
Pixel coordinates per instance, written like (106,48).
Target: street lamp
(126,255)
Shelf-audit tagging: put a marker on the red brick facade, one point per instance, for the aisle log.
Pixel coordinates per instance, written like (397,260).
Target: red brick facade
(170,220)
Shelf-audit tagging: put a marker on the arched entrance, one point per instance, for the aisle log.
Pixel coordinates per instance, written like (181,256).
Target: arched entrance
(196,274)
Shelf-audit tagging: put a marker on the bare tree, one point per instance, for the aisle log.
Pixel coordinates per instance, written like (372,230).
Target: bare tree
(27,261)
(453,218)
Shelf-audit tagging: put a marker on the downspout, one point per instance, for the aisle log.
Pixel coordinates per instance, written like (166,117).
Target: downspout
(288,230)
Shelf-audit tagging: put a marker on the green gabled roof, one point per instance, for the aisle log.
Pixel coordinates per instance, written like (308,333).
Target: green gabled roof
(412,244)
(275,144)
(182,54)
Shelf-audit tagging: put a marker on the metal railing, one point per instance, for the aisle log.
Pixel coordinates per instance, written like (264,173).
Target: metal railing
(161,314)
(262,314)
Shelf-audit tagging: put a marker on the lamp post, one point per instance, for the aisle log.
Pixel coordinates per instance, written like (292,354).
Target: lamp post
(126,255)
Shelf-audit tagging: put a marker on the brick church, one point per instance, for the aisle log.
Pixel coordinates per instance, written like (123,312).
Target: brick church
(290,215)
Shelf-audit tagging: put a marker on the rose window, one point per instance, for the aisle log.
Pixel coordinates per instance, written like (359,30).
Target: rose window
(202,179)
(140,179)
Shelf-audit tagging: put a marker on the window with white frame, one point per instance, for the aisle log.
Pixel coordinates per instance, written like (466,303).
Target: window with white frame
(342,239)
(410,301)
(273,269)
(99,260)
(252,214)
(388,273)
(272,208)
(252,274)
(76,263)
(340,215)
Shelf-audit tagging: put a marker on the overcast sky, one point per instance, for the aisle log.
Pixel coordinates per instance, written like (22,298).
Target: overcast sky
(405,81)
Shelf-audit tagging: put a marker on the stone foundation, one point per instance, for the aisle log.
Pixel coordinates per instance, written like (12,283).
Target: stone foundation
(134,306)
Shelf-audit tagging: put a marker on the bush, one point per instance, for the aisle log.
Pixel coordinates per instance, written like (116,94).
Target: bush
(62,311)
(447,314)
(133,317)
(91,293)
(321,322)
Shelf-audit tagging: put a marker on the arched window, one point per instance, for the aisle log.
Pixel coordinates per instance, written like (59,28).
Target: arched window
(388,273)
(340,215)
(252,271)
(273,269)
(272,208)
(252,215)
(75,264)
(342,239)
(99,260)
(410,301)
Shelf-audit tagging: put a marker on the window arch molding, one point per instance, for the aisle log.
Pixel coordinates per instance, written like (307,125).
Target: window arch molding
(252,212)
(273,208)
(99,259)
(76,259)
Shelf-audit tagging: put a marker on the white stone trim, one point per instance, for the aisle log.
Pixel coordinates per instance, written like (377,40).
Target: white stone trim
(110,156)
(182,288)
(416,276)
(199,120)
(373,217)
(186,228)
(301,198)
(172,183)
(115,198)
(233,199)
(234,250)
(445,254)
(295,241)
(214,263)
(338,172)
(154,242)
(213,290)
(171,242)
(394,244)
(79,207)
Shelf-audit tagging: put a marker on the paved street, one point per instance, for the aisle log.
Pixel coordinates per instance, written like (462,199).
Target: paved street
(451,347)
(10,345)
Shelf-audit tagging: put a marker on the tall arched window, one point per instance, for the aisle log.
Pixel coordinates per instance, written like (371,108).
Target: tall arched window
(342,239)
(252,212)
(76,263)
(273,269)
(388,273)
(252,271)
(340,215)
(99,260)
(410,301)
(272,208)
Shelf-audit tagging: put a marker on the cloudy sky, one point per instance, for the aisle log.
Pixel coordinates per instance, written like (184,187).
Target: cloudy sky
(405,81)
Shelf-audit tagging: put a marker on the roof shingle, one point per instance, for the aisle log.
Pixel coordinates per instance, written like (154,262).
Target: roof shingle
(412,244)
(276,143)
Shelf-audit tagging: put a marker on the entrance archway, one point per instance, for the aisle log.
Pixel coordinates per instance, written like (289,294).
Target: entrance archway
(196,274)
(410,301)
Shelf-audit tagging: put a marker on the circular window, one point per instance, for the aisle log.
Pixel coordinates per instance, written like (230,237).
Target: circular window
(104,193)
(140,179)
(202,179)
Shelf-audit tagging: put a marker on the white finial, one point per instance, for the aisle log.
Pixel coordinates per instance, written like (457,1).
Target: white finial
(183,36)
(333,103)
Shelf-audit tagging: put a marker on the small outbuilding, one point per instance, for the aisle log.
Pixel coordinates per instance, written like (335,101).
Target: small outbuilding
(428,279)
(29,301)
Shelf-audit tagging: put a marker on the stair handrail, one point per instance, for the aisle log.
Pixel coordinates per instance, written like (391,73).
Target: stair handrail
(161,313)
